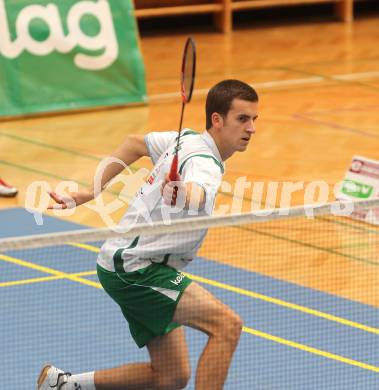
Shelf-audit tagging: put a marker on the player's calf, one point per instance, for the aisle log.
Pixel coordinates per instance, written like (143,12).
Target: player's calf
(172,381)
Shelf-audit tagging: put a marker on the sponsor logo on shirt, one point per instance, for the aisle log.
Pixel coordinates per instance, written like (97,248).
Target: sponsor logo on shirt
(151,178)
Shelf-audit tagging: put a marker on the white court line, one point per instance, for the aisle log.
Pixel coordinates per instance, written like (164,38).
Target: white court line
(277,83)
(357,76)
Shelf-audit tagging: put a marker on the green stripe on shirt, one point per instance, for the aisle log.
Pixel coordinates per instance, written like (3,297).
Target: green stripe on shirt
(204,156)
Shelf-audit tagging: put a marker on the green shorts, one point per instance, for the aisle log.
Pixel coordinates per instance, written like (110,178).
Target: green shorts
(147,298)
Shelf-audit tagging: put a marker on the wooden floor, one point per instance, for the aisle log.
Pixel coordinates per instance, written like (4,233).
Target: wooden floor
(319,105)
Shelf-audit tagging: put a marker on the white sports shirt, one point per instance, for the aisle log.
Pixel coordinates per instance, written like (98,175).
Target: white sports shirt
(199,162)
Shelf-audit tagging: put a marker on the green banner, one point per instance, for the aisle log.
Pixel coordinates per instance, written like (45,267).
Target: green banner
(59,55)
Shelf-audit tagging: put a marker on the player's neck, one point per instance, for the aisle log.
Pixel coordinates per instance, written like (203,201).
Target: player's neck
(223,149)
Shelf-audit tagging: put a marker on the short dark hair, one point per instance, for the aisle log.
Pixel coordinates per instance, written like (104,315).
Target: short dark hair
(220,97)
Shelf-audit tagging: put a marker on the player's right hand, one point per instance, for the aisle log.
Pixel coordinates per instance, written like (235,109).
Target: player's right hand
(171,189)
(70,201)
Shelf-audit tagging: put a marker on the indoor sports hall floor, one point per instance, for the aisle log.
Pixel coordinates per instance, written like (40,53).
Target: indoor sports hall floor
(54,310)
(312,323)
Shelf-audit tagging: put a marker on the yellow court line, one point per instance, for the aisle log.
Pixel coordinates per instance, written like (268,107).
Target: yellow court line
(47,270)
(267,336)
(289,305)
(309,349)
(42,279)
(265,298)
(28,281)
(87,247)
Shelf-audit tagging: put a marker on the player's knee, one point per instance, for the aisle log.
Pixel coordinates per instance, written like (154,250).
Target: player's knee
(235,327)
(231,327)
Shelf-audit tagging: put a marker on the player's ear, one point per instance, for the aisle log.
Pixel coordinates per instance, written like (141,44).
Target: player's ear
(217,120)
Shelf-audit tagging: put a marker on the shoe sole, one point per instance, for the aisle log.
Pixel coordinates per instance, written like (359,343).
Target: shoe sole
(11,195)
(43,375)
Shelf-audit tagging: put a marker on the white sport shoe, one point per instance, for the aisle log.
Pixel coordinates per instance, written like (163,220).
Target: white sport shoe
(51,377)
(6,190)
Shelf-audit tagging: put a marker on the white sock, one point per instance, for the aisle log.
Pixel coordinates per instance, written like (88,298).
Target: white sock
(84,381)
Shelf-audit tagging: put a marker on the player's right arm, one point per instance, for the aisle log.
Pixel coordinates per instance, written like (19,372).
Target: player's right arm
(133,148)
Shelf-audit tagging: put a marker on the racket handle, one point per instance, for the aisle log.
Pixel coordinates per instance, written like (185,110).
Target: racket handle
(174,169)
(174,176)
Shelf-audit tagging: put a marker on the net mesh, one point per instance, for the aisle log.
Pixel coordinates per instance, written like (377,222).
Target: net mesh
(306,289)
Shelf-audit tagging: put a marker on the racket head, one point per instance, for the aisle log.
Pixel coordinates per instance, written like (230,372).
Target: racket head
(188,71)
(187,81)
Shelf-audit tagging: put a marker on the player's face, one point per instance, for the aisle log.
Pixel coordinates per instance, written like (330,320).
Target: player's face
(239,125)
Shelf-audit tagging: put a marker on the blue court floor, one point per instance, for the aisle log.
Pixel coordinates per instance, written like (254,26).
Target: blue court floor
(53,310)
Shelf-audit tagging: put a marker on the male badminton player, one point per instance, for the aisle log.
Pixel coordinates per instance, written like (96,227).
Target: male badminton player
(142,275)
